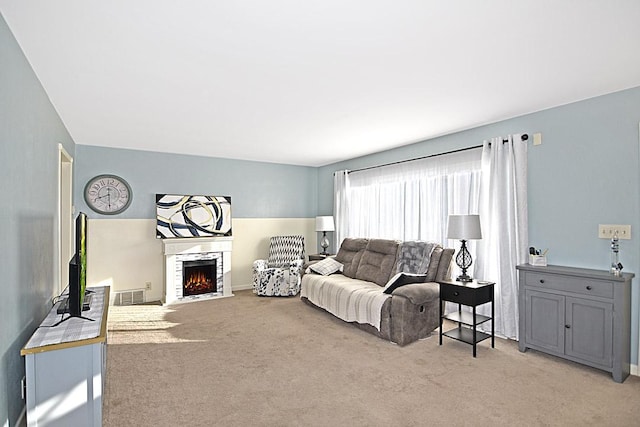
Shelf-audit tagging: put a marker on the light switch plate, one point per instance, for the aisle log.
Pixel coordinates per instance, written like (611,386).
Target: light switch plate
(537,139)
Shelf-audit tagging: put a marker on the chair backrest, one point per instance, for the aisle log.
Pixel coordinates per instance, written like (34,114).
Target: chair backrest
(285,249)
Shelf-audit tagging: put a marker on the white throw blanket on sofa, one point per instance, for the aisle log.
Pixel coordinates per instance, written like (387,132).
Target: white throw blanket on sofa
(351,300)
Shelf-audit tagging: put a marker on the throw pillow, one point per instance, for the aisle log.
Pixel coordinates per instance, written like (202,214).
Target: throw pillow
(402,279)
(326,266)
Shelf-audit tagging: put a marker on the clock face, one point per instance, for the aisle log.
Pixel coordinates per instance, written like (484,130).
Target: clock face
(108,194)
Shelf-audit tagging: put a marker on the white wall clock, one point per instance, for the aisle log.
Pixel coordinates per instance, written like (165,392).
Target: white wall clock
(108,194)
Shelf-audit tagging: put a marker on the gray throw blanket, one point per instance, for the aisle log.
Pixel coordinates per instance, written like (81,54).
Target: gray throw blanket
(414,256)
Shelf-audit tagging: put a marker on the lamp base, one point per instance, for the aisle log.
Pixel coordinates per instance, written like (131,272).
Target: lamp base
(324,243)
(464,262)
(464,278)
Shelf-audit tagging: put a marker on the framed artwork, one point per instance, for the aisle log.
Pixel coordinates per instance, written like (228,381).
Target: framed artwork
(183,216)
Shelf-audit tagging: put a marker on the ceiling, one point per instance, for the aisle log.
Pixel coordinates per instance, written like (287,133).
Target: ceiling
(315,82)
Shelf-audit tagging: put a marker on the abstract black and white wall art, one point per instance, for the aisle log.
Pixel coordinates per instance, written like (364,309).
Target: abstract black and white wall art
(181,216)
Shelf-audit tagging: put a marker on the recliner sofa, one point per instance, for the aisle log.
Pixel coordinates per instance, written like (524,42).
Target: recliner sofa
(357,293)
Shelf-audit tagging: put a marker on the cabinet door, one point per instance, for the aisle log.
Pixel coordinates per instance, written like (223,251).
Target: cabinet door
(590,330)
(544,320)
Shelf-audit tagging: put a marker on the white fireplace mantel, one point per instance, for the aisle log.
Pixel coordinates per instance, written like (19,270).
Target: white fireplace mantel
(174,247)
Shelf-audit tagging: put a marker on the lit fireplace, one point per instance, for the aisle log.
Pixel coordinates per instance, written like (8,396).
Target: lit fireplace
(199,277)
(216,251)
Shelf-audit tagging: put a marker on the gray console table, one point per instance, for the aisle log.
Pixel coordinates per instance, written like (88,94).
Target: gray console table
(66,367)
(578,314)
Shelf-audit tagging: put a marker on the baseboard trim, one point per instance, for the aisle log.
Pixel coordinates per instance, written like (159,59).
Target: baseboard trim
(22,419)
(242,287)
(634,370)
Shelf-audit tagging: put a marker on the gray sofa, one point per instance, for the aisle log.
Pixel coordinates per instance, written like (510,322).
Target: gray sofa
(409,313)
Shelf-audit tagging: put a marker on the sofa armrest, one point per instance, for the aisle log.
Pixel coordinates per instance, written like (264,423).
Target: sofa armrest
(307,265)
(415,312)
(444,265)
(296,267)
(419,293)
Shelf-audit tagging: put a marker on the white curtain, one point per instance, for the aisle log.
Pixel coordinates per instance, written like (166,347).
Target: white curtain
(409,200)
(503,216)
(340,206)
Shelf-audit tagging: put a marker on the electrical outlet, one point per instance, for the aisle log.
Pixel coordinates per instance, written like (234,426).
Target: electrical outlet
(607,231)
(147,285)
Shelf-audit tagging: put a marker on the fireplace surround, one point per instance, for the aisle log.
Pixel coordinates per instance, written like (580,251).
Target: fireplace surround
(200,253)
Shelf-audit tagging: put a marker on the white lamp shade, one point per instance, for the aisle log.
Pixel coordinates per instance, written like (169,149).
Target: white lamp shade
(464,227)
(324,223)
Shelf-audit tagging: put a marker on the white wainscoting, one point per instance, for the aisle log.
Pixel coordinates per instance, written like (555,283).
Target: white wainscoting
(125,254)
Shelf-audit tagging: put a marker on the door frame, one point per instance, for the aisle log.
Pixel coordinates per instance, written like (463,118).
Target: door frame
(65,216)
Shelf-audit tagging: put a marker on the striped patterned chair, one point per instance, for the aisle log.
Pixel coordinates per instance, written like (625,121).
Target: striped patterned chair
(280,274)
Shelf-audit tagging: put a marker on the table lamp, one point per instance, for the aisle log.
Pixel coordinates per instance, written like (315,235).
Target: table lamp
(464,227)
(324,224)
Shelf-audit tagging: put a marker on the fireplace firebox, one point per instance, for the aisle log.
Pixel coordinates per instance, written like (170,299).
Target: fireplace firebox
(199,277)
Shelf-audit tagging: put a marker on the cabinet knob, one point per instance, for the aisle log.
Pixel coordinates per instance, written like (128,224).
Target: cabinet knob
(456,293)
(567,326)
(541,280)
(589,288)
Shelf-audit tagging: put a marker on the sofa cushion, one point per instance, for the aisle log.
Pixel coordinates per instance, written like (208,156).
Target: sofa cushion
(378,261)
(350,254)
(326,266)
(351,300)
(402,279)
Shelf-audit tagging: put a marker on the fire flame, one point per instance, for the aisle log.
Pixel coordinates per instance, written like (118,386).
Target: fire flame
(199,282)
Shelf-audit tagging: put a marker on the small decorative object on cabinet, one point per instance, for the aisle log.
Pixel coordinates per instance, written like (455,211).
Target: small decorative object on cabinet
(471,294)
(578,314)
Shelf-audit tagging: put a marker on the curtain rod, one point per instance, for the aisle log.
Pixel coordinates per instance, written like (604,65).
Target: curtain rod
(524,137)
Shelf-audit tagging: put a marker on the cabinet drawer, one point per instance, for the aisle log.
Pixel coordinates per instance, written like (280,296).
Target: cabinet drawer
(570,284)
(457,294)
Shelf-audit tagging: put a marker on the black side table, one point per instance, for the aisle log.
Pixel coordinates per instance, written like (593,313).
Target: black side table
(317,257)
(471,294)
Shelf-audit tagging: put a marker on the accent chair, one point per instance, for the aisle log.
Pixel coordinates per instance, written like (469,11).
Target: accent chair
(281,273)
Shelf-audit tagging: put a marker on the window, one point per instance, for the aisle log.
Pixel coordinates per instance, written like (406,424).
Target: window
(410,200)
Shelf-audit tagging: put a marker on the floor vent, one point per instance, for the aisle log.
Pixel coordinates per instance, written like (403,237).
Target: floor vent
(134,296)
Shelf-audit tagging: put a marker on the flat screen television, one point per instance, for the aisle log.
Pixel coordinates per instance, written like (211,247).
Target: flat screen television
(78,270)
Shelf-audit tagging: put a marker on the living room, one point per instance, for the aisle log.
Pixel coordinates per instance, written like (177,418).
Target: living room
(586,172)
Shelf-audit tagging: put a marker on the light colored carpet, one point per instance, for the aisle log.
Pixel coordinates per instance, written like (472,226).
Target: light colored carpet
(249,360)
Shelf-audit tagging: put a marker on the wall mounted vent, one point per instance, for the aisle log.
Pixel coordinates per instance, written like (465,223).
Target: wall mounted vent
(130,297)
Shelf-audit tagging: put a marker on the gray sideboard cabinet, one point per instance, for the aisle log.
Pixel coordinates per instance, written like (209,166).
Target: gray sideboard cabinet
(578,314)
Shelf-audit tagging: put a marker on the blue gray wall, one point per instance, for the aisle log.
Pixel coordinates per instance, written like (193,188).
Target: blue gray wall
(30,131)
(257,190)
(585,173)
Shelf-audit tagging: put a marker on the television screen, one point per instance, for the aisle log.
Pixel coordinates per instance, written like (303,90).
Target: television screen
(78,269)
(81,251)
(181,216)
